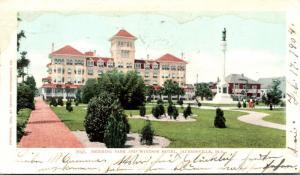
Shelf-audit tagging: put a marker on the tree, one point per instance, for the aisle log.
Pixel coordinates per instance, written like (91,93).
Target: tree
(115,134)
(171,88)
(22,63)
(128,87)
(203,90)
(25,96)
(161,109)
(156,111)
(147,134)
(149,91)
(220,120)
(189,110)
(78,95)
(96,119)
(30,81)
(170,110)
(88,90)
(273,96)
(60,101)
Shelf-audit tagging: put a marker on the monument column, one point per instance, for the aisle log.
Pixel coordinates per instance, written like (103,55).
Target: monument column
(222,95)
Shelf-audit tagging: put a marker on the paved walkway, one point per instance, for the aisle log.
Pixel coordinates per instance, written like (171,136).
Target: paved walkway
(45,130)
(256,118)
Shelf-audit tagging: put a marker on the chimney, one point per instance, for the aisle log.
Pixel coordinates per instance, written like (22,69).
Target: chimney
(148,56)
(181,55)
(52,47)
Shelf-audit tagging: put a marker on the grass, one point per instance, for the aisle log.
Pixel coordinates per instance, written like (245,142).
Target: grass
(275,115)
(199,134)
(22,119)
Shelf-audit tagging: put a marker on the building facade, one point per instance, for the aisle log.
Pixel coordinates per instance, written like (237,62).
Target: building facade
(69,68)
(240,86)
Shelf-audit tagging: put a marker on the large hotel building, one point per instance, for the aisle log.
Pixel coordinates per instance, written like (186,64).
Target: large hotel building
(69,68)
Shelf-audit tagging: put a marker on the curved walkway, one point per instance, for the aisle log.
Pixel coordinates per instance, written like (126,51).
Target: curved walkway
(256,118)
(45,130)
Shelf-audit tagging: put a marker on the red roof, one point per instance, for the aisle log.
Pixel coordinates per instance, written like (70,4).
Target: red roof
(51,85)
(156,87)
(124,33)
(170,58)
(90,53)
(67,50)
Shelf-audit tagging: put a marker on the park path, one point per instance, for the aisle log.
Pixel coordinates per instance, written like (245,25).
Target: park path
(256,118)
(46,130)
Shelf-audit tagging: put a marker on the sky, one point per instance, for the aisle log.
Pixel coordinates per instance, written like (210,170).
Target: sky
(255,48)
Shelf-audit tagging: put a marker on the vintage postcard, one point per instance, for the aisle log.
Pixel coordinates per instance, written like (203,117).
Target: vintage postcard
(150,87)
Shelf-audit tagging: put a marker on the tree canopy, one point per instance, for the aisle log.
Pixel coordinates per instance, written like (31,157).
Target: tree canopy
(273,95)
(172,88)
(203,90)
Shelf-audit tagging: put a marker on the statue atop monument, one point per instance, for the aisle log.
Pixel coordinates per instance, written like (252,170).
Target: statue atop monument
(224,35)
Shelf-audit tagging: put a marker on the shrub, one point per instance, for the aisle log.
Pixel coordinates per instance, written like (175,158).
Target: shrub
(239,105)
(244,104)
(142,111)
(170,110)
(160,101)
(175,113)
(185,113)
(20,130)
(147,134)
(180,102)
(53,102)
(156,111)
(60,101)
(148,99)
(199,104)
(88,90)
(98,111)
(219,119)
(76,102)
(69,106)
(161,109)
(189,110)
(115,134)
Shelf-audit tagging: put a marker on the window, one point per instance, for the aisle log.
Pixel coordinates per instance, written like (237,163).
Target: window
(173,67)
(79,71)
(59,70)
(165,67)
(100,64)
(137,65)
(90,72)
(78,80)
(69,62)
(173,76)
(254,87)
(90,63)
(124,53)
(69,79)
(146,74)
(147,66)
(129,65)
(59,61)
(54,70)
(236,86)
(155,74)
(58,80)
(79,62)
(155,66)
(120,65)
(69,70)
(49,71)
(110,64)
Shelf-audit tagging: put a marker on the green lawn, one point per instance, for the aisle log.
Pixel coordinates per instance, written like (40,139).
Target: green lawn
(22,119)
(196,134)
(275,115)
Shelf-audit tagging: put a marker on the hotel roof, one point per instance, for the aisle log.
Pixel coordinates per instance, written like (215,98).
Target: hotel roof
(124,33)
(67,50)
(170,58)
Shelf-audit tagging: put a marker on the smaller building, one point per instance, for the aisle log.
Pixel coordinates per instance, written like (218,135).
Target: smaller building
(240,87)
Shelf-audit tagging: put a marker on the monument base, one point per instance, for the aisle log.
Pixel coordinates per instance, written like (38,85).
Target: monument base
(223,99)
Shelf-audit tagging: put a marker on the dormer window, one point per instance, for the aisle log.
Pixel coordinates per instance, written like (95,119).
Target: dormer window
(100,64)
(90,63)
